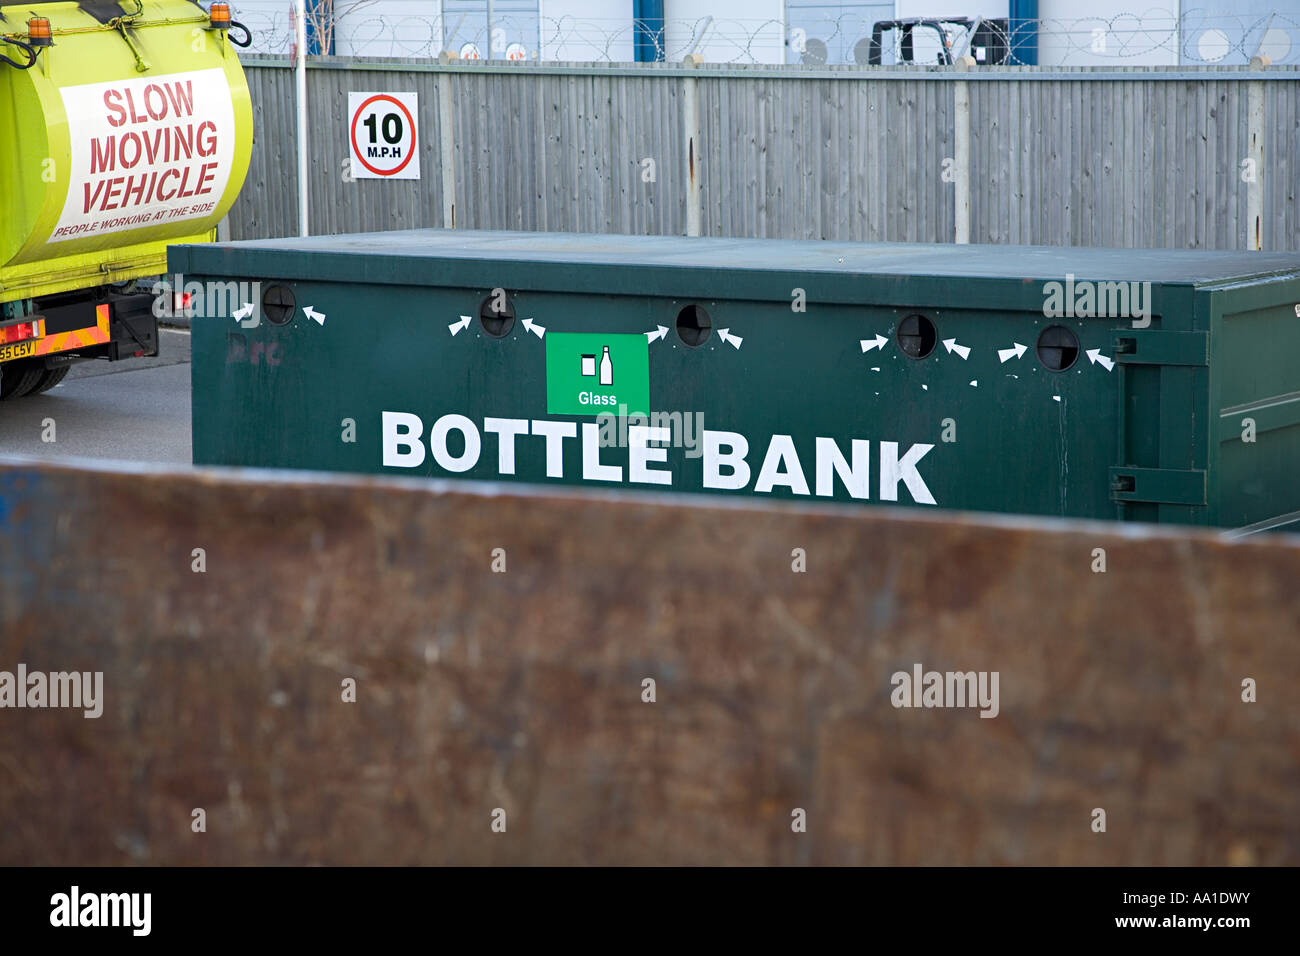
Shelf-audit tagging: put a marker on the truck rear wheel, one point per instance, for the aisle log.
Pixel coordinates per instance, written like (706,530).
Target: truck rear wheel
(49,378)
(19,378)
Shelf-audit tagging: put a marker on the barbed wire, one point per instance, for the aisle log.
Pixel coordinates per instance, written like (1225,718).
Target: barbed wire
(1155,38)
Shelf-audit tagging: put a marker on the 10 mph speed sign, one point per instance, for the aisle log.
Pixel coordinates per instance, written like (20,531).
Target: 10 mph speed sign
(384,139)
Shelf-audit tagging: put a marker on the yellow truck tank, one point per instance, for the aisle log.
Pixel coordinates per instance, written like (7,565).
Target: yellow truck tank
(124,127)
(132,131)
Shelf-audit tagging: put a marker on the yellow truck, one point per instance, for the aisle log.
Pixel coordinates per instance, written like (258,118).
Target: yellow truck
(124,127)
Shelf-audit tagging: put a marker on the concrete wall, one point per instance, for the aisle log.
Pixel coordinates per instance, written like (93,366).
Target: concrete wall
(726,31)
(1108,33)
(1155,33)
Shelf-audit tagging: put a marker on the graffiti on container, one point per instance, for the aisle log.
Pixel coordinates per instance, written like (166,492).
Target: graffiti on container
(239,350)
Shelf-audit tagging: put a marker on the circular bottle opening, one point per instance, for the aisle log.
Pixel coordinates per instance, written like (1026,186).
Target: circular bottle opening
(278,304)
(497,315)
(917,336)
(1058,348)
(694,325)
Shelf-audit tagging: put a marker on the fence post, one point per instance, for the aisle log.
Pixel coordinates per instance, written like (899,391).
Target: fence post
(1255,185)
(446,142)
(961,153)
(691,140)
(300,77)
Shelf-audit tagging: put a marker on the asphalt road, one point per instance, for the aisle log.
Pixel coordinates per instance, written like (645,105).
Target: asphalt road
(134,410)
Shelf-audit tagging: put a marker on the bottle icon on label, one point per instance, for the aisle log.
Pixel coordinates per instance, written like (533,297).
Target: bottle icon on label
(606,368)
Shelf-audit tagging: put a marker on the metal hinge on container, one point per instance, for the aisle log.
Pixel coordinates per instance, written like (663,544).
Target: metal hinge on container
(1159,347)
(1165,486)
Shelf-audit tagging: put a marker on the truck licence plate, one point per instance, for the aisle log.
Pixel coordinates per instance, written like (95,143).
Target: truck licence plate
(17,350)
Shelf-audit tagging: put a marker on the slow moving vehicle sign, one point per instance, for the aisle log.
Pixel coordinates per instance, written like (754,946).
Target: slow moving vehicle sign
(383,135)
(146,151)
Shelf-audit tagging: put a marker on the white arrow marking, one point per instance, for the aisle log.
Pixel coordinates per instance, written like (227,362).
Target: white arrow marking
(952,346)
(1015,351)
(1095,356)
(313,314)
(457,326)
(877,343)
(533,327)
(735,340)
(659,333)
(245,312)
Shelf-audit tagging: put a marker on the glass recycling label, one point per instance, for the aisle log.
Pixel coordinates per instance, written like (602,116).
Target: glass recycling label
(590,373)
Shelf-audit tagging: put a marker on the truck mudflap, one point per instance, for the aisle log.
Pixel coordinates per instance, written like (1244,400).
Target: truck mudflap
(132,327)
(36,350)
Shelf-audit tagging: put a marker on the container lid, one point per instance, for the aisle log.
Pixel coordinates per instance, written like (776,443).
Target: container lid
(719,268)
